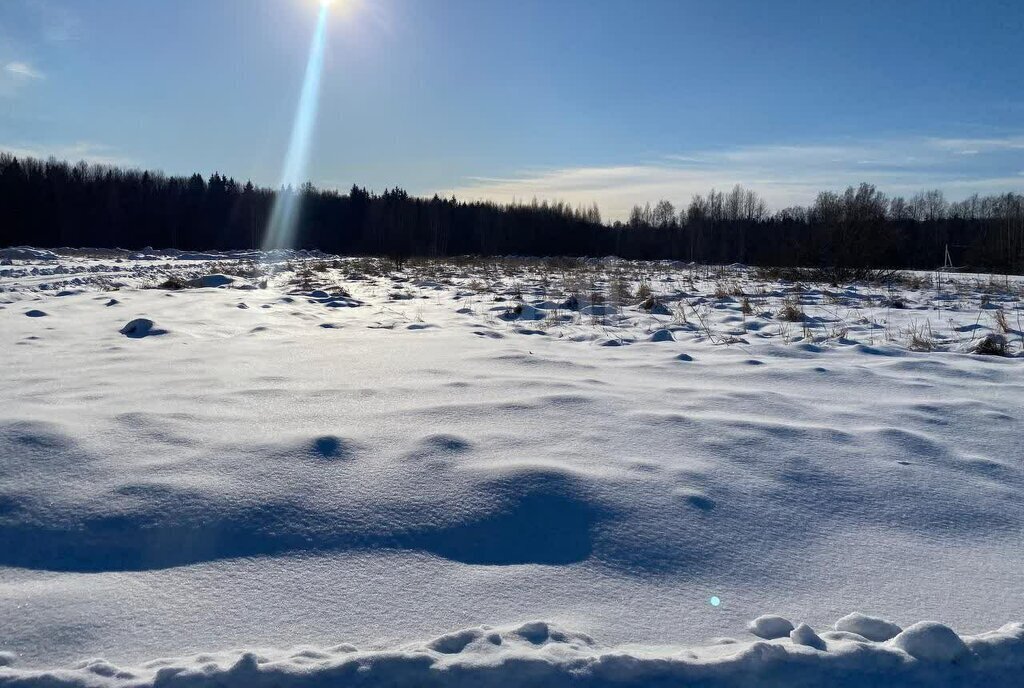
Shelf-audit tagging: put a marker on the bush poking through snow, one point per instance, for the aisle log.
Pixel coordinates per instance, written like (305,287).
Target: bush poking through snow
(1001,322)
(992,345)
(921,337)
(172,284)
(654,307)
(792,311)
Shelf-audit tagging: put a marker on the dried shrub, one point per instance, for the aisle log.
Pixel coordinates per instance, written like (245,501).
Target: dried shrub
(792,311)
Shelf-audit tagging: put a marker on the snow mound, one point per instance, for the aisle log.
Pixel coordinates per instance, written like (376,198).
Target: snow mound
(770,627)
(523,311)
(805,635)
(540,653)
(141,327)
(870,627)
(212,281)
(931,641)
(662,336)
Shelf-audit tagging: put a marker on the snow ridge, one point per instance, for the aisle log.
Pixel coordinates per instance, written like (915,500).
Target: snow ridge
(543,654)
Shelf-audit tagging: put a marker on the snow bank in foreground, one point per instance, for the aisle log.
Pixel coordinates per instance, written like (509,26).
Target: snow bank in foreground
(542,654)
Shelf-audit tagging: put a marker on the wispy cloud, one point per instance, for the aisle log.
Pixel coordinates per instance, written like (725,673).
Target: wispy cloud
(23,70)
(974,146)
(89,151)
(783,174)
(15,76)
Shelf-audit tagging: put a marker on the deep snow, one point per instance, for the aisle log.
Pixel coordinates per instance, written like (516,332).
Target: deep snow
(356,454)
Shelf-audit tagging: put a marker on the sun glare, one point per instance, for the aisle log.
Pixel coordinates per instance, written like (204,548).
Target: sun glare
(285,211)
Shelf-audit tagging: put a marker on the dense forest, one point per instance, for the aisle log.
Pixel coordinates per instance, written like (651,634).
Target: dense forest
(53,203)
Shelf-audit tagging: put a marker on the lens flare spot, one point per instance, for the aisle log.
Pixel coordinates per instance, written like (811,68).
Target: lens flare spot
(715,600)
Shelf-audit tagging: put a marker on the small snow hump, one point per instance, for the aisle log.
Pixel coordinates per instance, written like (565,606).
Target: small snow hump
(931,641)
(770,627)
(662,336)
(871,627)
(212,281)
(141,327)
(805,635)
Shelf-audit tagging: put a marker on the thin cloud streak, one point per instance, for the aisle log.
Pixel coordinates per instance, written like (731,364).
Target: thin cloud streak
(784,174)
(23,70)
(87,151)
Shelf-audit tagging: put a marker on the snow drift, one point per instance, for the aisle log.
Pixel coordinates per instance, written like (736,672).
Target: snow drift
(544,655)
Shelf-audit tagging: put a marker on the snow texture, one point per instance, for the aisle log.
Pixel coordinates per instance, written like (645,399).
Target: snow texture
(328,450)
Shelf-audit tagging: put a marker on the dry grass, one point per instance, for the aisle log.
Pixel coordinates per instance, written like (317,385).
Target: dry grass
(792,311)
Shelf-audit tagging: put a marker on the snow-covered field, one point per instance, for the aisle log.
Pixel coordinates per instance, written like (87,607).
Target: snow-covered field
(315,471)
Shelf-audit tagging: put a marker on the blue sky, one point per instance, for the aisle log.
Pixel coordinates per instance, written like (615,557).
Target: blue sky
(585,100)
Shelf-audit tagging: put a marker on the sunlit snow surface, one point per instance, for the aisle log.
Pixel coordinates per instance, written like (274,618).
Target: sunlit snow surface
(359,454)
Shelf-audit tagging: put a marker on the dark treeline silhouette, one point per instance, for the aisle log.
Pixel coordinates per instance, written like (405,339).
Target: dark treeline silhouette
(52,204)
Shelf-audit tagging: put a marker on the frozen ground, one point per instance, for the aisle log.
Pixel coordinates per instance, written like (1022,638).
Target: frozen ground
(342,454)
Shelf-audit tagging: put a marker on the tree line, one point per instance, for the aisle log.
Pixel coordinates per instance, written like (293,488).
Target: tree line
(53,203)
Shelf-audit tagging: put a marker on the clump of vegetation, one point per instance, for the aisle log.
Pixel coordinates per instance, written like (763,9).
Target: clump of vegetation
(724,290)
(832,275)
(921,337)
(173,284)
(792,311)
(1001,322)
(620,290)
(247,269)
(992,345)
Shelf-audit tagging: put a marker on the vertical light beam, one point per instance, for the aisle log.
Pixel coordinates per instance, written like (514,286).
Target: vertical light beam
(285,213)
